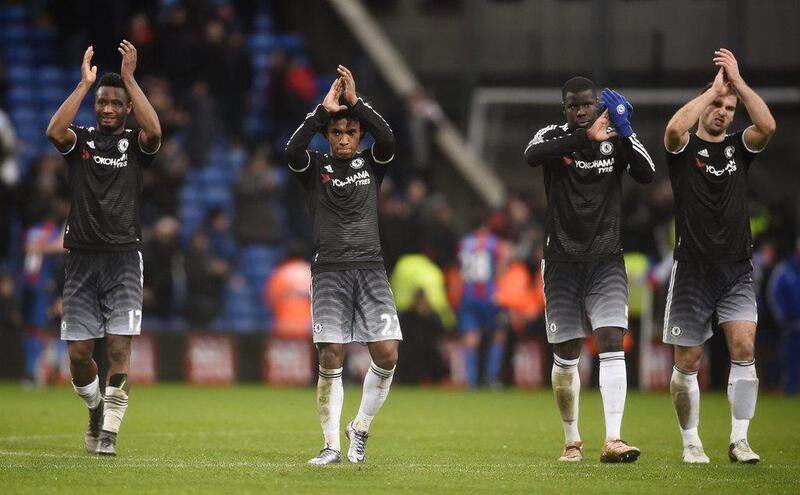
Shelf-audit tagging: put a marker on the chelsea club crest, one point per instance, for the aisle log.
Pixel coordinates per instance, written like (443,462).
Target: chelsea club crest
(606,148)
(729,152)
(357,163)
(122,145)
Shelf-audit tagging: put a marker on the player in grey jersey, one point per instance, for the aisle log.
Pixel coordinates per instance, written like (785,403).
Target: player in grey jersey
(585,283)
(712,274)
(350,296)
(103,279)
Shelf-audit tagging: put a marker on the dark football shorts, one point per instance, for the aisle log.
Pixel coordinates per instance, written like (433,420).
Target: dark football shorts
(582,297)
(353,306)
(102,294)
(700,291)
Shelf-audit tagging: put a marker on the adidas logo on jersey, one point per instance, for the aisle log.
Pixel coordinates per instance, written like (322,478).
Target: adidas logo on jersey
(703,152)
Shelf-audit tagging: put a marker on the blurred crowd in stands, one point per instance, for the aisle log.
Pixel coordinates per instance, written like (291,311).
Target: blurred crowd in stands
(227,237)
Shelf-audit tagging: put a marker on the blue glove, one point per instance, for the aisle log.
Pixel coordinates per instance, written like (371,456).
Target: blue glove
(619,111)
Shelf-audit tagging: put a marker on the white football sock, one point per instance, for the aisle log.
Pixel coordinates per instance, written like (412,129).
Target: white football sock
(685,393)
(90,393)
(330,396)
(613,389)
(742,394)
(115,404)
(376,387)
(567,387)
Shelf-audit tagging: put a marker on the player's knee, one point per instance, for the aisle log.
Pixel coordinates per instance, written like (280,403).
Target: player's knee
(387,360)
(330,357)
(79,354)
(743,350)
(688,358)
(570,349)
(118,355)
(609,339)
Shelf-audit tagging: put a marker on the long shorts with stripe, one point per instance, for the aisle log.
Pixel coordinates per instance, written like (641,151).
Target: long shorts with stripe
(353,306)
(102,294)
(582,297)
(699,292)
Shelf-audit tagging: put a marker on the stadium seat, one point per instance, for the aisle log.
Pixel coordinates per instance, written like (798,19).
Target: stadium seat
(20,54)
(52,76)
(14,36)
(20,74)
(20,96)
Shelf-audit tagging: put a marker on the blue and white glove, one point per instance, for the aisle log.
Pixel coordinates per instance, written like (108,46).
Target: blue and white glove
(619,111)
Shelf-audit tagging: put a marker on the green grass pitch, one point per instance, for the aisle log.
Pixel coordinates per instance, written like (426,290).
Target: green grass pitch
(254,439)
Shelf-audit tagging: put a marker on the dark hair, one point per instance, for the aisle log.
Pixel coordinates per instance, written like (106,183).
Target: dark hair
(731,89)
(347,114)
(114,80)
(577,84)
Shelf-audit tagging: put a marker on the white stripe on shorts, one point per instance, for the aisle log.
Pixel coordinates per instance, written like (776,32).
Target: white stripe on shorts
(669,298)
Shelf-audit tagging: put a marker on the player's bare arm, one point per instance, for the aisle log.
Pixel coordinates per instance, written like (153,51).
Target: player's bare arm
(150,136)
(757,135)
(677,132)
(58,131)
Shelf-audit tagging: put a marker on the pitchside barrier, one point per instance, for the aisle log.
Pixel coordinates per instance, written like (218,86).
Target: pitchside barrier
(220,359)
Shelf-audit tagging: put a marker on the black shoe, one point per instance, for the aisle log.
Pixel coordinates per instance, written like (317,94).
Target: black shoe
(92,437)
(107,443)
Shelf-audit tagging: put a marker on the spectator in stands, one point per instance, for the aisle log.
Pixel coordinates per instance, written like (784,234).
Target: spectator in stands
(9,168)
(394,222)
(415,272)
(9,175)
(11,328)
(290,95)
(162,182)
(286,294)
(202,129)
(422,362)
(784,299)
(161,259)
(44,184)
(44,245)
(220,235)
(206,276)
(259,207)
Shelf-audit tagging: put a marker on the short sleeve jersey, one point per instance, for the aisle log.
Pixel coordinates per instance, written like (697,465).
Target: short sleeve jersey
(342,198)
(105,180)
(709,182)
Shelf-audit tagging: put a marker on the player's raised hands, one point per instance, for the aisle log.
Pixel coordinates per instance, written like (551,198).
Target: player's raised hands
(128,52)
(599,131)
(331,101)
(349,88)
(720,84)
(88,71)
(724,59)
